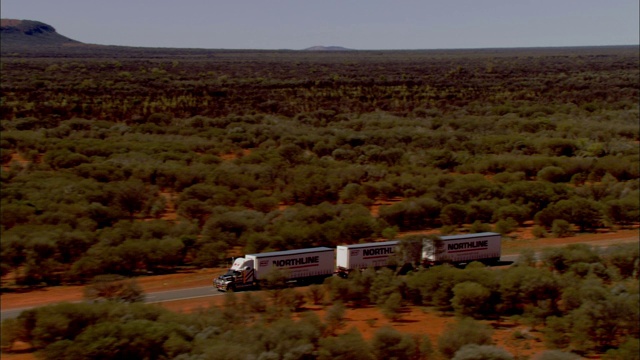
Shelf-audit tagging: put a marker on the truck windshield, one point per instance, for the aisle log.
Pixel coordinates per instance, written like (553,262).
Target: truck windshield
(232,273)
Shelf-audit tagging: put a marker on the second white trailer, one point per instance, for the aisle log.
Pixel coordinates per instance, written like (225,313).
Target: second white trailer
(360,256)
(465,248)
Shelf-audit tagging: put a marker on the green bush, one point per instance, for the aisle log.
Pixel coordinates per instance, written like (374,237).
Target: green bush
(464,332)
(561,228)
(504,227)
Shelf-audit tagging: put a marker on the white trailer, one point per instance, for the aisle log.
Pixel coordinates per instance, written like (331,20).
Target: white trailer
(308,265)
(457,249)
(360,256)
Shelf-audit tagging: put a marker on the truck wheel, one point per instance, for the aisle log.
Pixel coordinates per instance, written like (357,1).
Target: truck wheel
(231,288)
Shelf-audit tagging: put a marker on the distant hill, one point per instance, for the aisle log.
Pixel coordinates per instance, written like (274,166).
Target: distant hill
(27,34)
(327,48)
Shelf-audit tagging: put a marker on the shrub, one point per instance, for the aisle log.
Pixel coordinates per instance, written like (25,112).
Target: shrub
(470,299)
(561,228)
(466,331)
(629,350)
(316,294)
(507,226)
(349,346)
(391,307)
(478,227)
(539,231)
(389,343)
(552,174)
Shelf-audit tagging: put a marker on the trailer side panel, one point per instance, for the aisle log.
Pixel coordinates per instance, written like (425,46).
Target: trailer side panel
(296,264)
(463,248)
(360,256)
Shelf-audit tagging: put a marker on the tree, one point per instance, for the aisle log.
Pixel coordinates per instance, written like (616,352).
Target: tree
(557,332)
(561,259)
(453,214)
(351,192)
(625,258)
(518,213)
(523,288)
(599,323)
(194,210)
(536,194)
(622,211)
(211,254)
(582,212)
(390,232)
(478,227)
(131,195)
(291,153)
(552,174)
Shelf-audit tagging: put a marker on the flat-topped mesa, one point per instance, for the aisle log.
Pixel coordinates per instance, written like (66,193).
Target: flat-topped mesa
(29,33)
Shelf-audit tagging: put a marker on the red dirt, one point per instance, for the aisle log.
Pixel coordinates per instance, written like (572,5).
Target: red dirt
(235,155)
(375,208)
(169,213)
(16,158)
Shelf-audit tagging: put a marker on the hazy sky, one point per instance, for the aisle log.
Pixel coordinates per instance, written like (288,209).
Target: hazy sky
(357,24)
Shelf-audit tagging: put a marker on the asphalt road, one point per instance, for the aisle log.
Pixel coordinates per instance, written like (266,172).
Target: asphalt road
(207,291)
(183,294)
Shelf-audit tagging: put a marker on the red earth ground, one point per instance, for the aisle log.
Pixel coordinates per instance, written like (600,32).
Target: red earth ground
(517,338)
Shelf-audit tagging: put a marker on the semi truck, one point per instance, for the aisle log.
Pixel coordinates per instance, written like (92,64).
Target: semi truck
(458,249)
(303,265)
(316,264)
(361,256)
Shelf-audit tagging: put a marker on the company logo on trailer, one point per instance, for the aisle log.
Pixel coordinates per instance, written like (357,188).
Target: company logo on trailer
(379,251)
(309,260)
(355,252)
(469,246)
(264,263)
